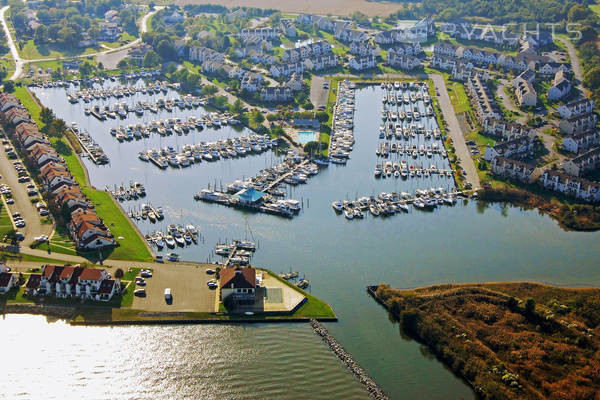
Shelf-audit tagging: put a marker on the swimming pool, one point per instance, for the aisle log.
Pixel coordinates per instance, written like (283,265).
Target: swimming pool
(305,137)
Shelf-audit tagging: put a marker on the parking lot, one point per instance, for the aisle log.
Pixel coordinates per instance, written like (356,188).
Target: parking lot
(18,189)
(319,91)
(189,290)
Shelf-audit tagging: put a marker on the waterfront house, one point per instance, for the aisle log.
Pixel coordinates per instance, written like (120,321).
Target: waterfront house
(506,130)
(575,108)
(445,49)
(8,101)
(109,31)
(444,63)
(137,53)
(111,16)
(251,82)
(384,37)
(344,34)
(16,115)
(32,287)
(578,123)
(274,94)
(285,70)
(560,86)
(54,174)
(571,186)
(295,83)
(581,142)
(482,98)
(238,284)
(588,161)
(7,281)
(324,61)
(266,33)
(513,169)
(527,76)
(173,18)
(288,28)
(403,62)
(462,71)
(201,54)
(362,63)
(520,147)
(551,68)
(364,48)
(236,14)
(526,94)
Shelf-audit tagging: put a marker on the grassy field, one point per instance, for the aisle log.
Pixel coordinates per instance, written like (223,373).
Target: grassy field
(31,51)
(5,223)
(132,246)
(507,340)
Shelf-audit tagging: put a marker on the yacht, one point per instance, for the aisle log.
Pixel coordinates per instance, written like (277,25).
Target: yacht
(337,206)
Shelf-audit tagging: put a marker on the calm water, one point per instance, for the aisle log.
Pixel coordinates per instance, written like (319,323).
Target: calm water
(466,243)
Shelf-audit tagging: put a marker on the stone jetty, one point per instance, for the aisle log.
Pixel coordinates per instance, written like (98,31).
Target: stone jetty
(369,384)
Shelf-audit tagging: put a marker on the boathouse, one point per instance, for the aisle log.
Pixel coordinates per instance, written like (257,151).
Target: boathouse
(238,284)
(249,196)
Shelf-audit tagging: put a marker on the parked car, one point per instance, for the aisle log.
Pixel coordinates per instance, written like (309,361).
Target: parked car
(139,292)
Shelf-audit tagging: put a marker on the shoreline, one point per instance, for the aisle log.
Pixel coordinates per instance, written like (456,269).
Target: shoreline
(69,314)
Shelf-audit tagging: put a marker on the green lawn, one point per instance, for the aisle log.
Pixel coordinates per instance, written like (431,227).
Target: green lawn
(30,51)
(595,8)
(132,246)
(5,224)
(458,97)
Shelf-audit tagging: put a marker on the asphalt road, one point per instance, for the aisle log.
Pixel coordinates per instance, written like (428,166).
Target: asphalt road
(457,135)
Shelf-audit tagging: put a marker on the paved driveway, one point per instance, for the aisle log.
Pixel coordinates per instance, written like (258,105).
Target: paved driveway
(457,135)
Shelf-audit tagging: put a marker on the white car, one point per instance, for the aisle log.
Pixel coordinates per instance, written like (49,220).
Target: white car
(42,238)
(20,224)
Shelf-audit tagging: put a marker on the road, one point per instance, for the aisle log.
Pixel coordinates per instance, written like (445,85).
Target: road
(508,104)
(457,135)
(34,226)
(11,45)
(318,94)
(20,62)
(574,63)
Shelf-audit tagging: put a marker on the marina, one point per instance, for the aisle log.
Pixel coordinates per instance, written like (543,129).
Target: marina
(190,154)
(387,204)
(410,140)
(264,192)
(342,124)
(239,252)
(94,93)
(472,241)
(147,212)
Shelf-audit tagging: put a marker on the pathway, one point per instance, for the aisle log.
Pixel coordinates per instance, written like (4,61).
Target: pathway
(458,138)
(11,44)
(509,105)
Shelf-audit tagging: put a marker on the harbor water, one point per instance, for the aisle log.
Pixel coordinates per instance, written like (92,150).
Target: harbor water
(470,242)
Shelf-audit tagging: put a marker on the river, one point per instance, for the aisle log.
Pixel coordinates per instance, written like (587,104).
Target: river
(470,242)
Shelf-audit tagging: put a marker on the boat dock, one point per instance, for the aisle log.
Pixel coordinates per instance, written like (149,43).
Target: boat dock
(174,236)
(91,148)
(135,191)
(237,253)
(387,204)
(260,192)
(147,211)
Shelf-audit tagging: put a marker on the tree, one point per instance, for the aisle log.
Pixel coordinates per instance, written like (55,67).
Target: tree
(85,69)
(9,86)
(46,115)
(237,107)
(311,147)
(119,273)
(151,59)
(57,128)
(123,64)
(94,32)
(256,118)
(209,90)
(40,35)
(166,50)
(530,306)
(68,36)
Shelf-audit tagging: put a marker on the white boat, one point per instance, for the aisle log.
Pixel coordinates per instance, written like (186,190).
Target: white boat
(337,206)
(348,214)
